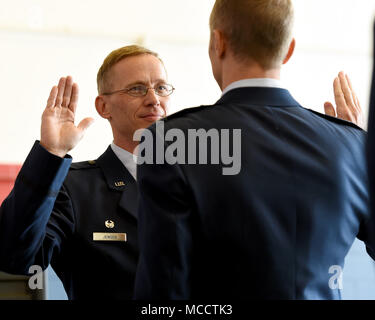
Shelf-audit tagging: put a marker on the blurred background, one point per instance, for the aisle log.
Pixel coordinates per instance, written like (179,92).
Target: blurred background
(41,40)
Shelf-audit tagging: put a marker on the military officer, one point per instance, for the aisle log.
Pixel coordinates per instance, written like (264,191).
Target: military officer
(82,218)
(295,205)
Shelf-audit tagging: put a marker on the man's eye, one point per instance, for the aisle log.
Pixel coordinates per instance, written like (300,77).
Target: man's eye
(137,89)
(162,88)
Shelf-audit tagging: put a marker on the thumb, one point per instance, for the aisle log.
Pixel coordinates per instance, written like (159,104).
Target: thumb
(329,109)
(85,123)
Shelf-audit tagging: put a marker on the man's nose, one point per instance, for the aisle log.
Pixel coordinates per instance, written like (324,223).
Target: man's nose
(151,98)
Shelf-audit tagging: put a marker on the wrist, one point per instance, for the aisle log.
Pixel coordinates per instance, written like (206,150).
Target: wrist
(54,151)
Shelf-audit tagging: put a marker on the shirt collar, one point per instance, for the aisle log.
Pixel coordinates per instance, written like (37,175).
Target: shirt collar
(127,159)
(255,82)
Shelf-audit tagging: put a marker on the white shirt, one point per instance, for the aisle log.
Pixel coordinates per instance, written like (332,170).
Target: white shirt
(256,82)
(127,159)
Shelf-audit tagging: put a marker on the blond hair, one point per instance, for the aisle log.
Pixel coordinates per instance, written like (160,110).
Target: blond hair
(256,29)
(115,56)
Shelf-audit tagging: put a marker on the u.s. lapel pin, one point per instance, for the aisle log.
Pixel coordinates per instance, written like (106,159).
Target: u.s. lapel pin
(109,224)
(119,184)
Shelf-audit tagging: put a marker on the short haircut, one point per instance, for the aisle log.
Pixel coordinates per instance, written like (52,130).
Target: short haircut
(257,29)
(115,56)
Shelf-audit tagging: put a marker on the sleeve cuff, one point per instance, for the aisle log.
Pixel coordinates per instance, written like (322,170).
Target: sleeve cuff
(44,170)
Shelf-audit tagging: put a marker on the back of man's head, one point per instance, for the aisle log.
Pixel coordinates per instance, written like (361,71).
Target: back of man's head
(260,30)
(103,76)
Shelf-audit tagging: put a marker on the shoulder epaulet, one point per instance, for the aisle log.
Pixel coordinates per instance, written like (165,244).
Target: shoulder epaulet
(83,165)
(336,120)
(186,111)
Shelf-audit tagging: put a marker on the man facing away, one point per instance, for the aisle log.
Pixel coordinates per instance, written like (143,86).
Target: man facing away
(279,224)
(82,218)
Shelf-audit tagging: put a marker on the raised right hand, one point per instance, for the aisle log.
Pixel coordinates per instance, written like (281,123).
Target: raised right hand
(58,132)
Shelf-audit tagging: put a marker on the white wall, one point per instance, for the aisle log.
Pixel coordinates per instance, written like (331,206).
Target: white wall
(43,40)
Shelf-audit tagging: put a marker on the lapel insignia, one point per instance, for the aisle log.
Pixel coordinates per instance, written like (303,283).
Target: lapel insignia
(109,224)
(119,184)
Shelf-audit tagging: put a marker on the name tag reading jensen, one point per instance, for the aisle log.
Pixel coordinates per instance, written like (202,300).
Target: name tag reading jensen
(103,236)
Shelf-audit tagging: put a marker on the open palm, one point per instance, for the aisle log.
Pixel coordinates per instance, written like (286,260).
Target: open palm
(347,104)
(59,134)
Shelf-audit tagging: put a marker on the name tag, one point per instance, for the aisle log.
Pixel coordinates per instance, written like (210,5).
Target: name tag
(103,236)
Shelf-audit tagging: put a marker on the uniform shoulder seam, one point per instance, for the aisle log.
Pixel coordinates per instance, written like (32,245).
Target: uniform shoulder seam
(336,120)
(90,164)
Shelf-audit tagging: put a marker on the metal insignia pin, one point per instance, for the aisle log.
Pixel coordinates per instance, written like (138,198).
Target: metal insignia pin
(119,183)
(109,224)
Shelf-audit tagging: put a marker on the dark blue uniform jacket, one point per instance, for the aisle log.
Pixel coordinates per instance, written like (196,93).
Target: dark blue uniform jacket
(279,229)
(52,213)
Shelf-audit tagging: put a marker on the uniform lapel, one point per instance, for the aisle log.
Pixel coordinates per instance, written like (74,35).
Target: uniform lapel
(118,178)
(129,199)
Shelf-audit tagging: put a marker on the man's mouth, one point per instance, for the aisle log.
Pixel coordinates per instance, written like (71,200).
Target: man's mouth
(152,117)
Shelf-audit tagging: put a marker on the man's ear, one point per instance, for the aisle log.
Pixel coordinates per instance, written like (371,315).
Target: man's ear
(219,43)
(292,46)
(102,107)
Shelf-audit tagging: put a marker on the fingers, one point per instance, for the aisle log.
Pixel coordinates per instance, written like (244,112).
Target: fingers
(347,103)
(67,91)
(341,105)
(347,91)
(85,123)
(66,94)
(355,98)
(52,97)
(359,114)
(74,98)
(60,93)
(329,109)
